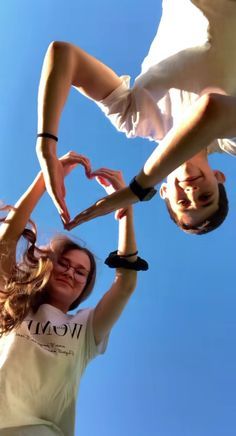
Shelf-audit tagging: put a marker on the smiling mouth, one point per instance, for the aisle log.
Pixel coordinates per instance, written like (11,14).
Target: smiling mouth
(64,281)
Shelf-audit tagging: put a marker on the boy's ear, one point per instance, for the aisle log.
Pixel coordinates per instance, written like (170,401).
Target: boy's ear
(163,191)
(220,177)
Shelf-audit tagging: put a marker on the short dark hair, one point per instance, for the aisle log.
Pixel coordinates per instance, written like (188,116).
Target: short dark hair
(210,223)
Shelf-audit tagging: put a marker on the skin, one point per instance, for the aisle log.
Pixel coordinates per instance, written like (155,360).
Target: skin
(65,65)
(212,116)
(192,190)
(63,288)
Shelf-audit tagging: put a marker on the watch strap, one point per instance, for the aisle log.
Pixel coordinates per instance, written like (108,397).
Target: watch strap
(142,193)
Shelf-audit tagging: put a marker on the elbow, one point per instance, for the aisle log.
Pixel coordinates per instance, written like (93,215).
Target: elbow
(127,281)
(208,106)
(213,114)
(59,46)
(211,103)
(60,52)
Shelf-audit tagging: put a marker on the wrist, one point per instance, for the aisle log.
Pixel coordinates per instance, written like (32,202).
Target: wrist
(45,148)
(115,260)
(144,179)
(144,191)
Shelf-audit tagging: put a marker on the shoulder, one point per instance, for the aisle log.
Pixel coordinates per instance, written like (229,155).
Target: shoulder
(82,316)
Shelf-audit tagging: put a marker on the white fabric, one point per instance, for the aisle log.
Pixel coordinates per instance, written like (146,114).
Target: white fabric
(41,367)
(31,430)
(182,26)
(193,51)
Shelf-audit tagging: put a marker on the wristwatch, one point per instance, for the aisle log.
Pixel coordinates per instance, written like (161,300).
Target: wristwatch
(144,194)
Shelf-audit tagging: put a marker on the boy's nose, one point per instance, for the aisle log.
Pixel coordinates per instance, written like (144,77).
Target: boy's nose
(191,188)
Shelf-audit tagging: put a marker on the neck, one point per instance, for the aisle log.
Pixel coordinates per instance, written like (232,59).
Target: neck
(59,305)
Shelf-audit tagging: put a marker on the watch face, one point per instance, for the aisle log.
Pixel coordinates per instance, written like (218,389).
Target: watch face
(149,194)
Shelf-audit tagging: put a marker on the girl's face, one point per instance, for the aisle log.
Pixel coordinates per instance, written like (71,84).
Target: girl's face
(68,278)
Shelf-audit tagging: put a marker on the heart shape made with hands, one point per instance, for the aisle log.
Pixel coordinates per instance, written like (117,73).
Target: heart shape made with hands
(110,180)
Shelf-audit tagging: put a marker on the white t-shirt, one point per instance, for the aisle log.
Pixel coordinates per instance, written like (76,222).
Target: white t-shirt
(193,50)
(41,366)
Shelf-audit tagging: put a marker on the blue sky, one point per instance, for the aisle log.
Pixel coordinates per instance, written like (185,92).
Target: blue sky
(170,365)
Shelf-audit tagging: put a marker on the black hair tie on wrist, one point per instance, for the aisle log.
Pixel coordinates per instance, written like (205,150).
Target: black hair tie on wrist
(47,135)
(127,255)
(114,260)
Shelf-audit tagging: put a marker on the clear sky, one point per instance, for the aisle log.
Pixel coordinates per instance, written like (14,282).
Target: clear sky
(169,369)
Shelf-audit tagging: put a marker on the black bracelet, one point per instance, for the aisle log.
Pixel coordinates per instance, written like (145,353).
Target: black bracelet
(47,135)
(128,255)
(116,261)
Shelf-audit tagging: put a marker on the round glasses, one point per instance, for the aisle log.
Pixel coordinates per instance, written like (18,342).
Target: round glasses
(63,265)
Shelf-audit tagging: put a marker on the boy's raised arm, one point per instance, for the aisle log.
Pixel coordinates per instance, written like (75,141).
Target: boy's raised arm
(212,116)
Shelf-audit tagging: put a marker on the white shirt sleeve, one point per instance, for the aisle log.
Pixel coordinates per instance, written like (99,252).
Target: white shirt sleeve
(91,349)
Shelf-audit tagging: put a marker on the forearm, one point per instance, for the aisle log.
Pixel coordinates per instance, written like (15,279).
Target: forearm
(114,301)
(54,87)
(126,246)
(126,238)
(110,307)
(66,65)
(203,124)
(17,219)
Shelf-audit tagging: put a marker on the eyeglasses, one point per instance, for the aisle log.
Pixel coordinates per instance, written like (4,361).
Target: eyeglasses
(63,265)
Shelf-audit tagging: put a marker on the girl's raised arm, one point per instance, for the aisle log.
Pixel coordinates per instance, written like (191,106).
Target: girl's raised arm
(113,302)
(16,220)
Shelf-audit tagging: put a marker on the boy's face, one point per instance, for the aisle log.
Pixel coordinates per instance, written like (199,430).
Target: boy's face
(192,190)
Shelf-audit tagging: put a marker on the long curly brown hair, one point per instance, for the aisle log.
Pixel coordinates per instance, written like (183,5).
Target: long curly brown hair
(25,288)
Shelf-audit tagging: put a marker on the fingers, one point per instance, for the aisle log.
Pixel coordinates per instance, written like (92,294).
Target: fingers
(120,214)
(81,218)
(102,181)
(58,199)
(118,200)
(62,209)
(98,209)
(114,177)
(105,184)
(72,159)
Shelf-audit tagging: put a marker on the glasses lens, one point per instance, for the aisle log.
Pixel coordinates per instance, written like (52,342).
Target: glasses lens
(61,266)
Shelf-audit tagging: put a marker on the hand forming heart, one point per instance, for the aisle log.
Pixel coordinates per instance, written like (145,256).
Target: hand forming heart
(112,181)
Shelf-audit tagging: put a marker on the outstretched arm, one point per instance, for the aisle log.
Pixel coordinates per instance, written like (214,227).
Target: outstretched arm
(212,116)
(113,302)
(16,220)
(65,65)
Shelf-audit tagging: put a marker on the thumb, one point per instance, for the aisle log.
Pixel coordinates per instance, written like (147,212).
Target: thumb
(62,209)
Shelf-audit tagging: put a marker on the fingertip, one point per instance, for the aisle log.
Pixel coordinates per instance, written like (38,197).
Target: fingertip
(121,214)
(89,175)
(67,227)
